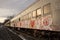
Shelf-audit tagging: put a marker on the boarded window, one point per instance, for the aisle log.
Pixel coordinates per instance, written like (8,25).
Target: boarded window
(26,16)
(47,8)
(39,12)
(30,15)
(34,13)
(19,19)
(22,17)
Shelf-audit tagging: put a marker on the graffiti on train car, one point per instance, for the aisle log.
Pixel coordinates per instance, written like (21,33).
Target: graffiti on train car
(47,21)
(32,23)
(26,23)
(19,24)
(22,24)
(39,23)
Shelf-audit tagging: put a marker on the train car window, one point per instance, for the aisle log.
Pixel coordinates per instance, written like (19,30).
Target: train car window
(16,20)
(23,17)
(27,16)
(34,13)
(19,19)
(30,15)
(39,12)
(47,8)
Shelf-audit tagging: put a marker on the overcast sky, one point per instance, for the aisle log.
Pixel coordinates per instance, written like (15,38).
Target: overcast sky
(13,7)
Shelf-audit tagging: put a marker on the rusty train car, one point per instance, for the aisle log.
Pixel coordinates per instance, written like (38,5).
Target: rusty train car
(42,15)
(40,19)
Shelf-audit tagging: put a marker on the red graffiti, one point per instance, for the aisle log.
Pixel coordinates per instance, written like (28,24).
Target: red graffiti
(32,23)
(45,22)
(20,24)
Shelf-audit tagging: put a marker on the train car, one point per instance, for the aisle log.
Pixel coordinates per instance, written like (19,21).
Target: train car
(42,15)
(40,18)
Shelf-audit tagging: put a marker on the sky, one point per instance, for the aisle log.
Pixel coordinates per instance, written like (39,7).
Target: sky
(13,7)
